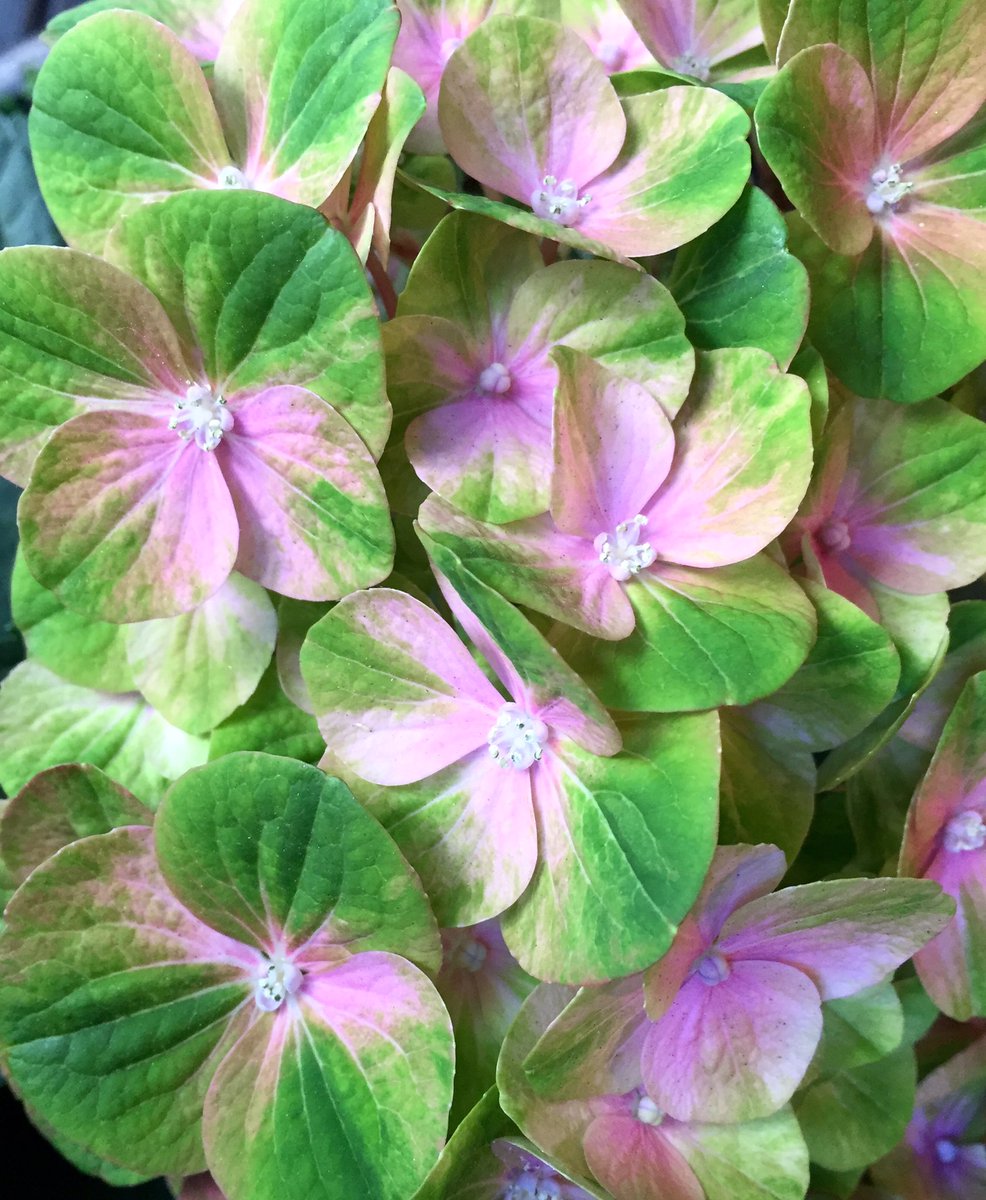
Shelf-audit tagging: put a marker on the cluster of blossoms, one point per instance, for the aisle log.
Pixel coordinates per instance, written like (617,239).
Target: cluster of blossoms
(497,721)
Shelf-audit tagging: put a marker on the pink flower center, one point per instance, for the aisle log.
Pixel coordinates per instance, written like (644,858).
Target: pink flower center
(278,979)
(558,200)
(887,189)
(712,968)
(201,417)
(612,55)
(495,379)
(835,536)
(965,832)
(622,552)
(517,739)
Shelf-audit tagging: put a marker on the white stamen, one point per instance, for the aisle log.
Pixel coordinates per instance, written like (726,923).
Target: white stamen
(202,416)
(495,379)
(471,955)
(622,552)
(231,178)
(278,979)
(517,739)
(694,65)
(648,1112)
(712,968)
(558,201)
(965,832)
(533,1184)
(888,189)
(835,536)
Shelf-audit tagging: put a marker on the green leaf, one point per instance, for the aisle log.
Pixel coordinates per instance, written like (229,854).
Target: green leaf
(605,900)
(853,1117)
(848,678)
(271,722)
(279,297)
(122,116)
(738,286)
(263,848)
(197,668)
(857,1030)
(724,635)
(82,650)
(918,626)
(59,806)
(111,1011)
(467,1166)
(767,794)
(45,722)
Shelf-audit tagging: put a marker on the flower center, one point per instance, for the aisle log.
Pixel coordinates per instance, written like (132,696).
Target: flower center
(517,739)
(448,47)
(695,65)
(622,552)
(495,379)
(558,200)
(946,1151)
(231,178)
(612,55)
(277,980)
(835,536)
(712,968)
(471,955)
(647,1111)
(202,416)
(965,832)
(888,189)
(533,1184)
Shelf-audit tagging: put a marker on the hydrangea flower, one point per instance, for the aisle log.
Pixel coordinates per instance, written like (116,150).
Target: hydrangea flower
(468,358)
(123,114)
(609,1129)
(654,527)
(504,801)
(244,981)
(946,841)
(897,500)
(871,126)
(700,38)
(748,971)
(581,160)
(944,1154)
(207,419)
